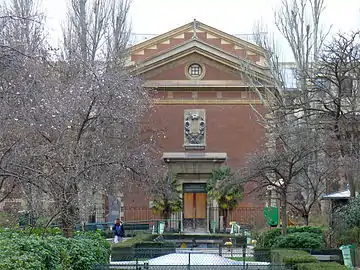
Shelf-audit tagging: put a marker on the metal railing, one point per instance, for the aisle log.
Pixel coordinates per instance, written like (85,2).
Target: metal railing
(248,216)
(191,259)
(194,267)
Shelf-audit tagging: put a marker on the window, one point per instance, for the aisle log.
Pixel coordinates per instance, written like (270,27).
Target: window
(195,70)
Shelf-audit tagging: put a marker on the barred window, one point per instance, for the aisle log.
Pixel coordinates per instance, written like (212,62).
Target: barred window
(195,70)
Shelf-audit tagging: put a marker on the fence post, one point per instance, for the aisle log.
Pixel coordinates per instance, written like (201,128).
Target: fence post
(189,262)
(244,254)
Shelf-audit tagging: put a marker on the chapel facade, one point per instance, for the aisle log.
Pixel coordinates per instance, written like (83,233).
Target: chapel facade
(206,109)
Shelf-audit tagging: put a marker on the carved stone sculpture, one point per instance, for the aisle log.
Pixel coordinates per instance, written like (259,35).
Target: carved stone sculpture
(194,129)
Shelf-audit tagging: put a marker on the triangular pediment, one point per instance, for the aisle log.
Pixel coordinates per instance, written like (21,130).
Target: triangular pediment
(201,32)
(213,57)
(178,69)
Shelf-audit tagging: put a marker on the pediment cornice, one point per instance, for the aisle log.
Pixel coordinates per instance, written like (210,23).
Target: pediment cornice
(206,50)
(200,27)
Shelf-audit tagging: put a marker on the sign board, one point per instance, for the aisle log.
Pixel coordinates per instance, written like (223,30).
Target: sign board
(194,188)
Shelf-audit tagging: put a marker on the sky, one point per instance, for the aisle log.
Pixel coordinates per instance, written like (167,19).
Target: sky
(231,16)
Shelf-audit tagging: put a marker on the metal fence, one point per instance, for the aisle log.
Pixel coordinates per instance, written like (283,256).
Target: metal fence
(235,253)
(190,258)
(145,266)
(250,216)
(193,259)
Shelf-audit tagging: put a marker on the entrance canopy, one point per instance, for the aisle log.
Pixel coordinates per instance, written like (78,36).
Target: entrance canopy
(199,163)
(192,156)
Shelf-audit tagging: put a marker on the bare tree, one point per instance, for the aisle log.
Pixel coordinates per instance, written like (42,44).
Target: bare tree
(305,36)
(299,21)
(279,172)
(79,116)
(336,84)
(97,30)
(308,188)
(22,27)
(21,42)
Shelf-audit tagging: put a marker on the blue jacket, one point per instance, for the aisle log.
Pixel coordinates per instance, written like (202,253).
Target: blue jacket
(119,230)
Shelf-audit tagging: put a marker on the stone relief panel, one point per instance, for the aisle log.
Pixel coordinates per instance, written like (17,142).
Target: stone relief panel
(194,129)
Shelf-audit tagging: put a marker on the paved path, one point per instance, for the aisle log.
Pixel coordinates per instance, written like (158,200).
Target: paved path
(235,252)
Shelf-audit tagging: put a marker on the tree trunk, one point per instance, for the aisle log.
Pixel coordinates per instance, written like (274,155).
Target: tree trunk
(350,178)
(82,30)
(225,216)
(283,212)
(166,213)
(67,219)
(166,217)
(306,219)
(68,231)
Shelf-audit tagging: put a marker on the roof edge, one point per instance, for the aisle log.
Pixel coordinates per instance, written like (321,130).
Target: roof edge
(160,37)
(221,33)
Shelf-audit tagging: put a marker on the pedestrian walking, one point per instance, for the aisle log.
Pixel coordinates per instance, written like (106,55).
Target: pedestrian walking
(119,232)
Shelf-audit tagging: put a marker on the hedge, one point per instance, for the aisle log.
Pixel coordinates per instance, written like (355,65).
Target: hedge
(40,250)
(290,257)
(299,240)
(268,238)
(262,254)
(321,266)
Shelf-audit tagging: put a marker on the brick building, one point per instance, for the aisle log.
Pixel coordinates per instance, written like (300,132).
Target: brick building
(204,106)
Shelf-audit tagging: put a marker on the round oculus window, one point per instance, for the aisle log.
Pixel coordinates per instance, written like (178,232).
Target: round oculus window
(195,70)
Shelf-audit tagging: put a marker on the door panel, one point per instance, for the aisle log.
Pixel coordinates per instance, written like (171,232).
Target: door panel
(189,205)
(200,210)
(195,205)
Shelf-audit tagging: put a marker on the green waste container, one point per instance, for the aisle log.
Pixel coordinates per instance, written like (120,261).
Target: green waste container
(213,226)
(271,215)
(248,237)
(157,227)
(161,227)
(348,252)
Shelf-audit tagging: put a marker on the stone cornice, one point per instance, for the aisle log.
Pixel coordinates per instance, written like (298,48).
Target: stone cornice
(206,102)
(195,83)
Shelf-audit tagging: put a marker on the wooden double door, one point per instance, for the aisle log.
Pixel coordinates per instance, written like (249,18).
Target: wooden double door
(195,201)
